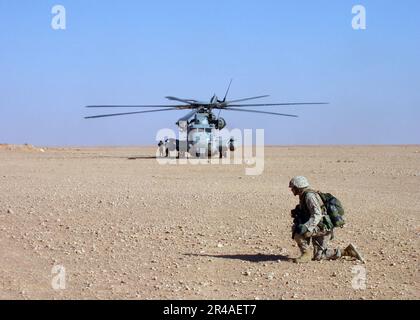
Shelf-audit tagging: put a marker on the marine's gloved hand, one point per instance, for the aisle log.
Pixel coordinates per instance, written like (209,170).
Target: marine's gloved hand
(295,212)
(301,229)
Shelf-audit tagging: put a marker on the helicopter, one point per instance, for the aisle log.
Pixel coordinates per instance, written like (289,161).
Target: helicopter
(201,124)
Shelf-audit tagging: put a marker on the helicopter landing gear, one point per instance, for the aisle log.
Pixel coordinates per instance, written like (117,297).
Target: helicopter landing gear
(222,153)
(180,155)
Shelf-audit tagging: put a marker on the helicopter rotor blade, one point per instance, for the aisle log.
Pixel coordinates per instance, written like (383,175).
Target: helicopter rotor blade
(227,91)
(264,112)
(276,104)
(246,99)
(127,113)
(188,101)
(140,106)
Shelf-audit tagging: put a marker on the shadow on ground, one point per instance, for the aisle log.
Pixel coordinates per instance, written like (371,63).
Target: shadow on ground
(142,158)
(245,257)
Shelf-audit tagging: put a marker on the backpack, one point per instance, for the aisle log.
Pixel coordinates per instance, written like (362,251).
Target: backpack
(335,209)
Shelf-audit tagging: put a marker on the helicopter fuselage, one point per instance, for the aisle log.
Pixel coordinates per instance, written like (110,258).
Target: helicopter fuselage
(201,136)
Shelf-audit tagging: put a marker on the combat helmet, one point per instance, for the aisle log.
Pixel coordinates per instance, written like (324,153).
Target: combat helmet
(299,182)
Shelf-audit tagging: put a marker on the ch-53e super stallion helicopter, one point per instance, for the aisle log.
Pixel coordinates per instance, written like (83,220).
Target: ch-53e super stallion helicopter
(201,124)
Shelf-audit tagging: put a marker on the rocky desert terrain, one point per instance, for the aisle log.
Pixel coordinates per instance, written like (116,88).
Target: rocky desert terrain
(121,226)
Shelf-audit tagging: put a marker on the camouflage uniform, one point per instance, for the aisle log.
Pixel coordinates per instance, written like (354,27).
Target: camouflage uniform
(320,234)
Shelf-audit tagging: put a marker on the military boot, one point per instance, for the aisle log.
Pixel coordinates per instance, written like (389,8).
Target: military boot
(305,257)
(351,251)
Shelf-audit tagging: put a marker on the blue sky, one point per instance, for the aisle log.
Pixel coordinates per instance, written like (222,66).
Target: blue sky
(138,52)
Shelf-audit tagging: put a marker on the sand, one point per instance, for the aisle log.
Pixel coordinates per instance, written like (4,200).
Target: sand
(121,226)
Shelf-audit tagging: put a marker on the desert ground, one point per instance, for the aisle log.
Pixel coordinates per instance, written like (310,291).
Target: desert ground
(123,226)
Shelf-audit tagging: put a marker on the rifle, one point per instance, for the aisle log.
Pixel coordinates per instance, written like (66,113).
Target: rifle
(296,214)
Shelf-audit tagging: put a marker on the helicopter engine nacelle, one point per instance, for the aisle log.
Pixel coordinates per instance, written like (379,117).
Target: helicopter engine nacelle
(221,123)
